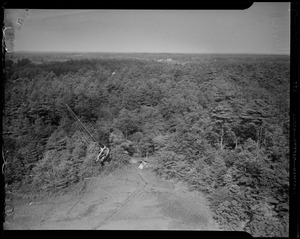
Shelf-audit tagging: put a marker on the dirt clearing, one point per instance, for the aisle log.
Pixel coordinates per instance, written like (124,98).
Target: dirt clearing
(128,198)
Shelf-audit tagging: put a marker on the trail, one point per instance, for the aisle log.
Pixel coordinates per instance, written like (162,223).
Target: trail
(127,199)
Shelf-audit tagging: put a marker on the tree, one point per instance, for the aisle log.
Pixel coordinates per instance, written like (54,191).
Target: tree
(23,62)
(127,122)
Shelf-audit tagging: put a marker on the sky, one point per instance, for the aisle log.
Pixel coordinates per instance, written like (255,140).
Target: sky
(264,28)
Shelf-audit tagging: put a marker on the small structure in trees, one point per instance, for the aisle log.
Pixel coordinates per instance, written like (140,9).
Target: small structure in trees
(104,151)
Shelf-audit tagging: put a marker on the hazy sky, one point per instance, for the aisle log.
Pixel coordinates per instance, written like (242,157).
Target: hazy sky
(263,28)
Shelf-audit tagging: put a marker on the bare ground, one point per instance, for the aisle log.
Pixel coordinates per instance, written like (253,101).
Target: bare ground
(128,198)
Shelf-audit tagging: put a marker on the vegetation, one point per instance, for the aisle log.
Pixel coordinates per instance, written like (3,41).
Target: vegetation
(220,123)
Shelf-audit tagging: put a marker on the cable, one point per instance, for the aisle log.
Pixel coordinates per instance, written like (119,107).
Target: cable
(81,123)
(103,157)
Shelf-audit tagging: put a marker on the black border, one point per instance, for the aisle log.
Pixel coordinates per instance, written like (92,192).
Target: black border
(74,234)
(294,117)
(179,5)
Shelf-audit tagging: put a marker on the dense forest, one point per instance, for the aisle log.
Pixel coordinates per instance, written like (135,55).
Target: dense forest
(220,123)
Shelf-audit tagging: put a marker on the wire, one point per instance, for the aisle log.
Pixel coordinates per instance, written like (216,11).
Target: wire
(74,115)
(78,122)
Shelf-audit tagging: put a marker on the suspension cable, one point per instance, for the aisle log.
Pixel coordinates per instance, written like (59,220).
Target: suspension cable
(74,115)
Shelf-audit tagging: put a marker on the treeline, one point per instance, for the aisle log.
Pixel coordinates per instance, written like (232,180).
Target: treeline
(222,126)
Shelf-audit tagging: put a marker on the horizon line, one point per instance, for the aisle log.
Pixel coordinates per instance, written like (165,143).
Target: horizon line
(192,53)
